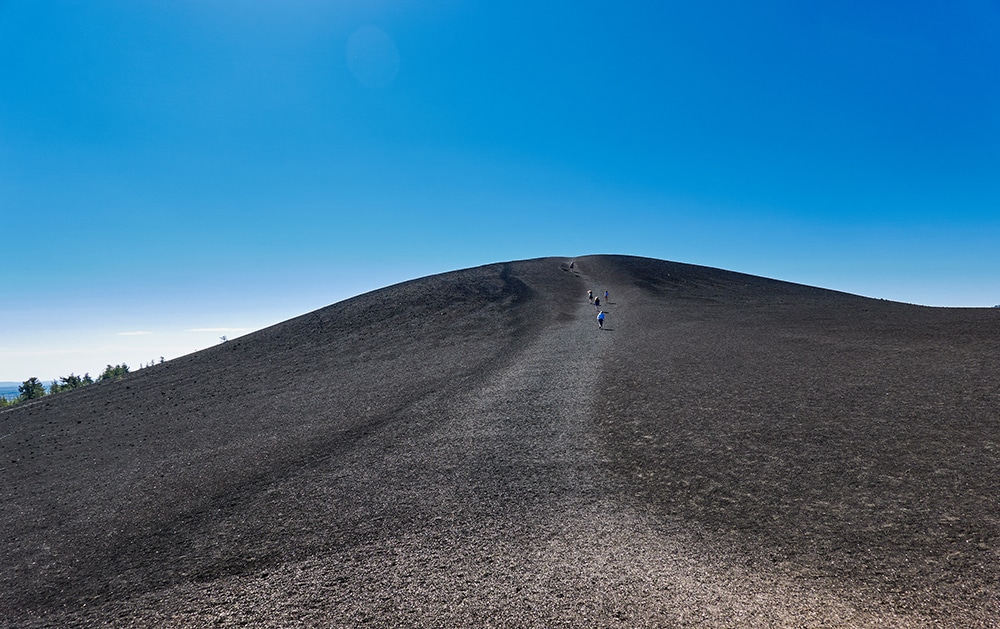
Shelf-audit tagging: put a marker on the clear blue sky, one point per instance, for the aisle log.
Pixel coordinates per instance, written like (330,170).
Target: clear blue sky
(174,171)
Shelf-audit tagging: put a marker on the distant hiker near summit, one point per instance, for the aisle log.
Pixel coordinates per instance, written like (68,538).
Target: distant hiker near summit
(590,296)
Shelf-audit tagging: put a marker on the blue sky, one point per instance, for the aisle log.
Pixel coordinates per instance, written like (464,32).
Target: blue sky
(176,171)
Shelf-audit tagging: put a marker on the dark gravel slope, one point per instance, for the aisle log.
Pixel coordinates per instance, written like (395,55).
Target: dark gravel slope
(843,440)
(469,449)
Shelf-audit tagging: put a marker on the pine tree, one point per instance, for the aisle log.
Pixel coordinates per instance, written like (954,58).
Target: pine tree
(31,389)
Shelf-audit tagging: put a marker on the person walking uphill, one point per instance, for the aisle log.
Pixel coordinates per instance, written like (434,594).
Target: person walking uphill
(600,319)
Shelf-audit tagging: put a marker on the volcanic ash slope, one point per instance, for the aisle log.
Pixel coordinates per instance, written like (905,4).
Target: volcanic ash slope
(469,449)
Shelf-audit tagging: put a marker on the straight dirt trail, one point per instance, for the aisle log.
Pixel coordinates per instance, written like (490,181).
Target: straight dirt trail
(527,442)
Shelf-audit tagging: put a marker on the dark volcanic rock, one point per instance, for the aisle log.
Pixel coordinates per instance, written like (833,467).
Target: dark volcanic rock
(470,450)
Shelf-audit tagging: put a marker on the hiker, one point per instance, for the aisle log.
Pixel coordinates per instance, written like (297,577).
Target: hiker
(600,319)
(597,303)
(590,296)
(605,296)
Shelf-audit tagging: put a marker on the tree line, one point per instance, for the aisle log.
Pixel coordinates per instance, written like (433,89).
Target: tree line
(33,388)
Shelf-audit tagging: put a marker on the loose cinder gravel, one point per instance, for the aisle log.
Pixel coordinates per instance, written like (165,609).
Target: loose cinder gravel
(469,449)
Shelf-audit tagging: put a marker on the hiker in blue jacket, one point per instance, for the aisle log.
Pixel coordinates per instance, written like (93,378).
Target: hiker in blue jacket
(600,319)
